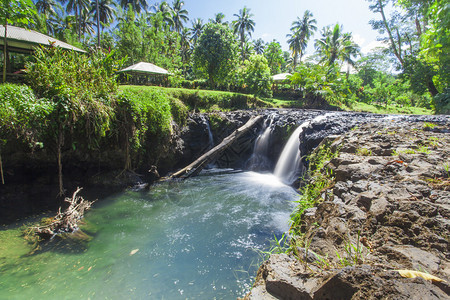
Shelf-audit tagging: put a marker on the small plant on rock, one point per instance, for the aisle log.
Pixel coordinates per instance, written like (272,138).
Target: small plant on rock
(354,253)
(423,149)
(429,126)
(363,152)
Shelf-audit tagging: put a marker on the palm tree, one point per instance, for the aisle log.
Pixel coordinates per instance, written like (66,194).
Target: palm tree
(179,15)
(196,30)
(247,51)
(185,47)
(106,11)
(48,14)
(243,25)
(78,6)
(258,46)
(166,12)
(218,18)
(46,7)
(86,23)
(294,46)
(335,46)
(137,5)
(302,30)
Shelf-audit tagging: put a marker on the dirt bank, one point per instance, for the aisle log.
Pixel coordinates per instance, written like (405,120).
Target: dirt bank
(388,210)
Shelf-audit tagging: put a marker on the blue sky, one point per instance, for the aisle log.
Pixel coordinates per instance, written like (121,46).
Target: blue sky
(274,18)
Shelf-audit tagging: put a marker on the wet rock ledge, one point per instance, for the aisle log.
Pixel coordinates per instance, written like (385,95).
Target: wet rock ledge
(390,205)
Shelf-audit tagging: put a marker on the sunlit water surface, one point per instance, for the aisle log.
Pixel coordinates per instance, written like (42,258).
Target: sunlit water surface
(194,239)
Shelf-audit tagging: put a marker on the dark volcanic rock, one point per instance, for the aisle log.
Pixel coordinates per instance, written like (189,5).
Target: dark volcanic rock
(390,205)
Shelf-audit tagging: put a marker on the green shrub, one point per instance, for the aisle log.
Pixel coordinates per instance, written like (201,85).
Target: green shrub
(145,117)
(256,75)
(21,114)
(81,87)
(319,179)
(179,110)
(442,102)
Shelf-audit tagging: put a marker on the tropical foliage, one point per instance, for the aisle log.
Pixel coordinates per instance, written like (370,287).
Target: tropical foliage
(256,76)
(214,53)
(415,34)
(301,32)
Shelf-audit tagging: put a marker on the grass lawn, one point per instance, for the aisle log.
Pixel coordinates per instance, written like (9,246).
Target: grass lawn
(390,109)
(214,101)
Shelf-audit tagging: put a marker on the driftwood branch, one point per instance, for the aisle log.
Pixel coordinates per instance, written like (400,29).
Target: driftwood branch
(67,221)
(201,162)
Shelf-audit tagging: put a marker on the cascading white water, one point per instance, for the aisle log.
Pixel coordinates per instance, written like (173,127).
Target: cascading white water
(210,135)
(289,161)
(262,142)
(259,160)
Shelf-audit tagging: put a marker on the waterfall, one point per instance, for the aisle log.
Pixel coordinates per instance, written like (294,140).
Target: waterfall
(259,158)
(210,135)
(289,161)
(208,129)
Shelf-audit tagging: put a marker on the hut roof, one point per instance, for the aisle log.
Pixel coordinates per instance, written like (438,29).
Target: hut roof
(281,77)
(144,67)
(25,39)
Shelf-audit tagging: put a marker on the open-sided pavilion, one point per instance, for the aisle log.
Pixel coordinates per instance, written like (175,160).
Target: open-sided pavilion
(145,73)
(20,44)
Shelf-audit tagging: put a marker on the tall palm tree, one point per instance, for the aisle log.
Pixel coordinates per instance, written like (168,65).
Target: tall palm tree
(77,6)
(247,51)
(46,7)
(336,46)
(259,46)
(196,30)
(105,9)
(302,30)
(294,46)
(179,15)
(137,5)
(185,47)
(243,25)
(48,14)
(166,12)
(86,23)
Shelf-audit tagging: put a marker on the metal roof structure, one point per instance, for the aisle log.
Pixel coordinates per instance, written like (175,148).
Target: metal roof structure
(147,68)
(281,77)
(24,40)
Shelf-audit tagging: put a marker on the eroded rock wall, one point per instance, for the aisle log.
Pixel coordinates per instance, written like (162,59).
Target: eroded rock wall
(391,202)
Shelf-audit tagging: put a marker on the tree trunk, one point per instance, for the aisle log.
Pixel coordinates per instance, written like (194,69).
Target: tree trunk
(98,25)
(60,142)
(198,165)
(432,88)
(5,54)
(1,170)
(78,22)
(418,27)
(397,52)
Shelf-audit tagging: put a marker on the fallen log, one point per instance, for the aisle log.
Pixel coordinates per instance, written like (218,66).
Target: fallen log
(67,221)
(201,162)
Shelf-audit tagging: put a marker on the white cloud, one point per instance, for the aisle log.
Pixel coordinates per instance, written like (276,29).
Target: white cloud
(358,39)
(371,46)
(267,37)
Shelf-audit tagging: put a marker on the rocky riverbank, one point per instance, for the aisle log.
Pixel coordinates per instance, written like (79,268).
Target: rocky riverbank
(31,178)
(388,210)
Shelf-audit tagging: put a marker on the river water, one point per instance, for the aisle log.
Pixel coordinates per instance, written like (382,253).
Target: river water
(193,239)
